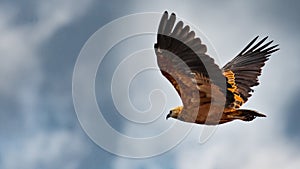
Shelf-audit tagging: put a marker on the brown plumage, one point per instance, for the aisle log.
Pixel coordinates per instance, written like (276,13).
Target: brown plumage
(210,95)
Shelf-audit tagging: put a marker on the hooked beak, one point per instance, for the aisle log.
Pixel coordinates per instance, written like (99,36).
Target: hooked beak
(168,116)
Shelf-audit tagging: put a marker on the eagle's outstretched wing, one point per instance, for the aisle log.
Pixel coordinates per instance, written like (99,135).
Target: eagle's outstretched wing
(242,72)
(182,59)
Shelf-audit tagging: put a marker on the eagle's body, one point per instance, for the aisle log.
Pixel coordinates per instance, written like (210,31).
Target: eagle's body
(210,95)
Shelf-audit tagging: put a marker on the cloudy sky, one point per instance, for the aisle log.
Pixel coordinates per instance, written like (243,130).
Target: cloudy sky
(41,41)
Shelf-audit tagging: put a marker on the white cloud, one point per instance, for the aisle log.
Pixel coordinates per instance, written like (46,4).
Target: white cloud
(21,77)
(16,51)
(45,150)
(240,146)
(19,44)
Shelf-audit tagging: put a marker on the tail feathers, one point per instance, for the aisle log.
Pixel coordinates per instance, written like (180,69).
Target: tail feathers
(247,115)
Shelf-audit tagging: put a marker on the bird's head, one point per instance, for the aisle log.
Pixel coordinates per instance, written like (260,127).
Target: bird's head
(174,113)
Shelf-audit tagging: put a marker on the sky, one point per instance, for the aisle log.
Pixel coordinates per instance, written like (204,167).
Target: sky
(40,125)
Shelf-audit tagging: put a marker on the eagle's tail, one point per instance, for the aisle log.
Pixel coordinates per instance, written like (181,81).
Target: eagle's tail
(246,115)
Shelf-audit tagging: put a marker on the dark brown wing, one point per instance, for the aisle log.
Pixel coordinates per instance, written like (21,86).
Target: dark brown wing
(181,56)
(242,72)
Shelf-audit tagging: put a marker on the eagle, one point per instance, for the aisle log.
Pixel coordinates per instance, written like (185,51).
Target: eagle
(210,95)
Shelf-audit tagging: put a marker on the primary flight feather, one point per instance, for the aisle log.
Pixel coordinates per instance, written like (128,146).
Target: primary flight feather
(210,95)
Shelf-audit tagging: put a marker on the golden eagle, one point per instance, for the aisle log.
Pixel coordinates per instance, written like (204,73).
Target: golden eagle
(210,95)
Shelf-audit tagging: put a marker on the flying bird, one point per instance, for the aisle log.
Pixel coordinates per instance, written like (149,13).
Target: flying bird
(210,95)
